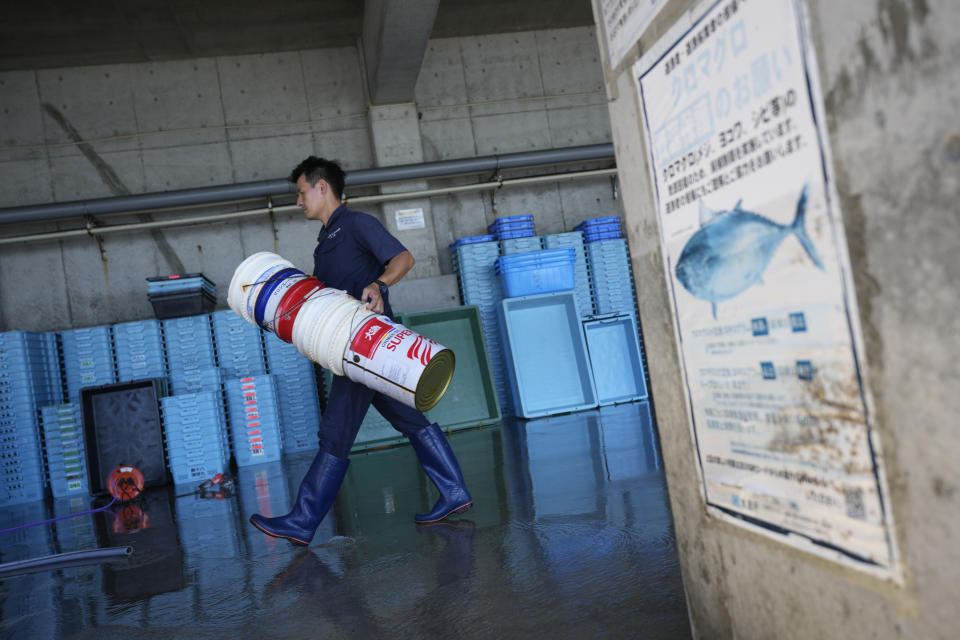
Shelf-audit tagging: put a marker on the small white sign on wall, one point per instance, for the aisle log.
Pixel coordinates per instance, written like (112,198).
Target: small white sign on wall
(408,219)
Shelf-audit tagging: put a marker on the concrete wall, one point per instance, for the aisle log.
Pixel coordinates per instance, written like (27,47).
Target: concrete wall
(892,92)
(99,131)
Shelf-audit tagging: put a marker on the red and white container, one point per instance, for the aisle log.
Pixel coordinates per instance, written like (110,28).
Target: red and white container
(398,362)
(339,333)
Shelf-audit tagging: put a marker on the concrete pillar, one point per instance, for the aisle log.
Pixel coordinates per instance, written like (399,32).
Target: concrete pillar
(890,93)
(395,131)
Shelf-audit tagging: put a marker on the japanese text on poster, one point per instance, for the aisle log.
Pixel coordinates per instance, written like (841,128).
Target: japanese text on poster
(756,262)
(624,22)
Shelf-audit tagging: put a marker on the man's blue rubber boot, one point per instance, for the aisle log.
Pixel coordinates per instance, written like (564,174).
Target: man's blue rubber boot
(438,460)
(317,492)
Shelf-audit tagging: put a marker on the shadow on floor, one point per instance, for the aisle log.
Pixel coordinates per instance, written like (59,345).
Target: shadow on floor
(570,537)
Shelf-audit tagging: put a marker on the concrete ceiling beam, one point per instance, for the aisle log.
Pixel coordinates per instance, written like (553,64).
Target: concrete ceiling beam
(394,39)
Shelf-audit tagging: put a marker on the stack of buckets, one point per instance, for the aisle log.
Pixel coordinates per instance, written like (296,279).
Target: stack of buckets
(339,333)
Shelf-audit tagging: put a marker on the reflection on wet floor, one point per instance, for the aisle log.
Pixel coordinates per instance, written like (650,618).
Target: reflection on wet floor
(570,536)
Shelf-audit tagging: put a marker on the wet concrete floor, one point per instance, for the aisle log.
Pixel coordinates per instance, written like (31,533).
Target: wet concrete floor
(570,537)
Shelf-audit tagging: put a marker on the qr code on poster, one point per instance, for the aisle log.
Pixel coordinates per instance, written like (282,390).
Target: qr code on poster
(855,507)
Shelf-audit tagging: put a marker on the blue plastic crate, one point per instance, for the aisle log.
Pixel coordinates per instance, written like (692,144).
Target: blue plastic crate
(238,344)
(524,218)
(210,450)
(516,234)
(191,472)
(546,355)
(180,283)
(595,222)
(615,359)
(536,272)
(21,491)
(69,484)
(189,380)
(477,250)
(601,236)
(596,226)
(521,244)
(616,247)
(565,239)
(471,240)
(255,439)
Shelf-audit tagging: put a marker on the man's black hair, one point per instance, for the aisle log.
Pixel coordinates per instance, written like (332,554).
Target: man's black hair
(314,168)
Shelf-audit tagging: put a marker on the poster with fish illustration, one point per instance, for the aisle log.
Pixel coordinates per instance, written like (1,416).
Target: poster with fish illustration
(758,270)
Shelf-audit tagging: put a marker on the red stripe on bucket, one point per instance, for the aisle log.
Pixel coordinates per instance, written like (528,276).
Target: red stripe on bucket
(290,306)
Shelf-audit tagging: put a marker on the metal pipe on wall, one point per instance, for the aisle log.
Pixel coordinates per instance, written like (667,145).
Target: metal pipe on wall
(266,188)
(406,195)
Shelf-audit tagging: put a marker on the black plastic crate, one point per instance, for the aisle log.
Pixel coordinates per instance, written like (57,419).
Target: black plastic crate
(178,305)
(122,426)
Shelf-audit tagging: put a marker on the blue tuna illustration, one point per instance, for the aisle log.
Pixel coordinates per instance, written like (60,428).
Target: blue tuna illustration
(732,249)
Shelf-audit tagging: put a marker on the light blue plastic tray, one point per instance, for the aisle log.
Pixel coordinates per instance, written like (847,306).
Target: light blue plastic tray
(615,359)
(546,355)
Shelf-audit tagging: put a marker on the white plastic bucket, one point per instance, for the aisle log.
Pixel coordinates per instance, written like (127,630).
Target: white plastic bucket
(339,333)
(248,280)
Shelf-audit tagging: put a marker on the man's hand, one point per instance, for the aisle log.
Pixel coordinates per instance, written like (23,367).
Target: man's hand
(397,267)
(371,295)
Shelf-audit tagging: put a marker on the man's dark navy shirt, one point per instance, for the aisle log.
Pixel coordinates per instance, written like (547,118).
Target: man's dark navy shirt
(352,251)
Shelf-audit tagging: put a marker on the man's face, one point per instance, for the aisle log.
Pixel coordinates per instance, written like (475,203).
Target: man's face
(310,197)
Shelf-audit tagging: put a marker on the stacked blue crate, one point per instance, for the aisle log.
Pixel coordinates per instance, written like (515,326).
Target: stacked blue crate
(180,295)
(194,428)
(66,452)
(507,227)
(87,359)
(479,286)
(597,229)
(526,244)
(296,385)
(254,420)
(53,371)
(534,272)
(583,289)
(139,347)
(191,357)
(612,277)
(462,241)
(189,283)
(238,344)
(25,385)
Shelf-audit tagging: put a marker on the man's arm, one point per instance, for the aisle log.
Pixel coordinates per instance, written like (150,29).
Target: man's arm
(397,267)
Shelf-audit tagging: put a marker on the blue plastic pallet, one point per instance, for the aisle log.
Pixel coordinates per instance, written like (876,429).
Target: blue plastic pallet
(546,355)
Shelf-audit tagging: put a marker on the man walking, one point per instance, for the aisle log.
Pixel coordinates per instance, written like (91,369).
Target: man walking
(356,253)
